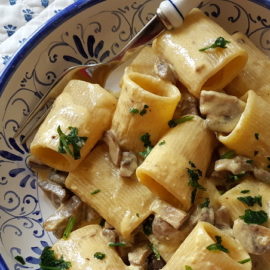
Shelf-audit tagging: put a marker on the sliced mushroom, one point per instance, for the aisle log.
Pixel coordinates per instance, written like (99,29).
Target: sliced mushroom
(164,71)
(154,263)
(162,229)
(114,148)
(262,175)
(222,111)
(236,165)
(58,177)
(189,104)
(138,256)
(223,218)
(254,238)
(174,216)
(57,193)
(202,214)
(128,164)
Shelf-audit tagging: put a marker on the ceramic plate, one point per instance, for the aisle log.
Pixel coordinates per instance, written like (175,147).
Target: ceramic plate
(86,32)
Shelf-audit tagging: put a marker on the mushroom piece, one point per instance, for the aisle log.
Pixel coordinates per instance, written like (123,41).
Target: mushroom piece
(58,177)
(128,164)
(155,263)
(57,193)
(202,214)
(188,105)
(162,229)
(174,216)
(109,232)
(222,111)
(262,175)
(254,238)
(236,165)
(114,148)
(223,218)
(164,70)
(138,256)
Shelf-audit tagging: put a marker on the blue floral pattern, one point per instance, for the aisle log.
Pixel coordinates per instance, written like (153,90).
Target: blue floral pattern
(10,29)
(28,14)
(93,38)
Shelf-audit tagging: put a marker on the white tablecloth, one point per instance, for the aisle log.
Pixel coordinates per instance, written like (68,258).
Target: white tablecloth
(20,18)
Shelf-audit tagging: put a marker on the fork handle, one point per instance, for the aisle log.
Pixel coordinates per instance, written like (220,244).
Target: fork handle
(173,12)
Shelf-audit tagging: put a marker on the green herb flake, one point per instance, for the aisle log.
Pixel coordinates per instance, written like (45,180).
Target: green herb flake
(187,267)
(69,228)
(95,192)
(144,110)
(245,191)
(236,177)
(145,138)
(117,244)
(174,122)
(71,143)
(147,225)
(48,261)
(251,201)
(20,259)
(220,42)
(137,215)
(249,161)
(146,152)
(155,251)
(218,246)
(205,203)
(228,155)
(254,217)
(99,255)
(134,111)
(257,136)
(245,261)
(162,142)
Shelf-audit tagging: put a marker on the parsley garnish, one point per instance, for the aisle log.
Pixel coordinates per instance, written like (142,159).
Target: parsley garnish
(71,143)
(220,42)
(187,267)
(205,203)
(69,227)
(48,261)
(145,138)
(95,192)
(20,259)
(236,177)
(162,142)
(245,261)
(257,135)
(134,111)
(99,255)
(254,217)
(117,244)
(251,201)
(218,245)
(249,161)
(155,251)
(147,225)
(144,110)
(245,191)
(174,122)
(228,155)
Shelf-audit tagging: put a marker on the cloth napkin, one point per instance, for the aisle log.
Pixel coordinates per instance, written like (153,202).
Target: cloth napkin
(20,19)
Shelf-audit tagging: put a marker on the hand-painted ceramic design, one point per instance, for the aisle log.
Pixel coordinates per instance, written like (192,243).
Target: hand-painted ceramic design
(86,32)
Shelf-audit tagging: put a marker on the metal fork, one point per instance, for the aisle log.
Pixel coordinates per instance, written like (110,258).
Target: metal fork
(169,15)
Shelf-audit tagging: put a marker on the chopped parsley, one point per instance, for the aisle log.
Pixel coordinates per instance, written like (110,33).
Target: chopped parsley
(137,111)
(236,177)
(249,161)
(228,155)
(162,142)
(134,111)
(71,143)
(117,244)
(137,215)
(147,225)
(254,217)
(99,255)
(95,192)
(155,251)
(48,261)
(245,191)
(245,261)
(69,227)
(220,42)
(218,246)
(20,259)
(251,201)
(145,138)
(205,203)
(174,122)
(257,136)
(187,267)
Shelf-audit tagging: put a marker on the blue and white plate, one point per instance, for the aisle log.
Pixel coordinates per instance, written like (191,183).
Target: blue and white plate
(89,31)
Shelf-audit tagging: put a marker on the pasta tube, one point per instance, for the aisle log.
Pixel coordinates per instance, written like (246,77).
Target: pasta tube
(164,171)
(254,76)
(83,105)
(250,137)
(194,251)
(145,105)
(124,203)
(84,247)
(208,70)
